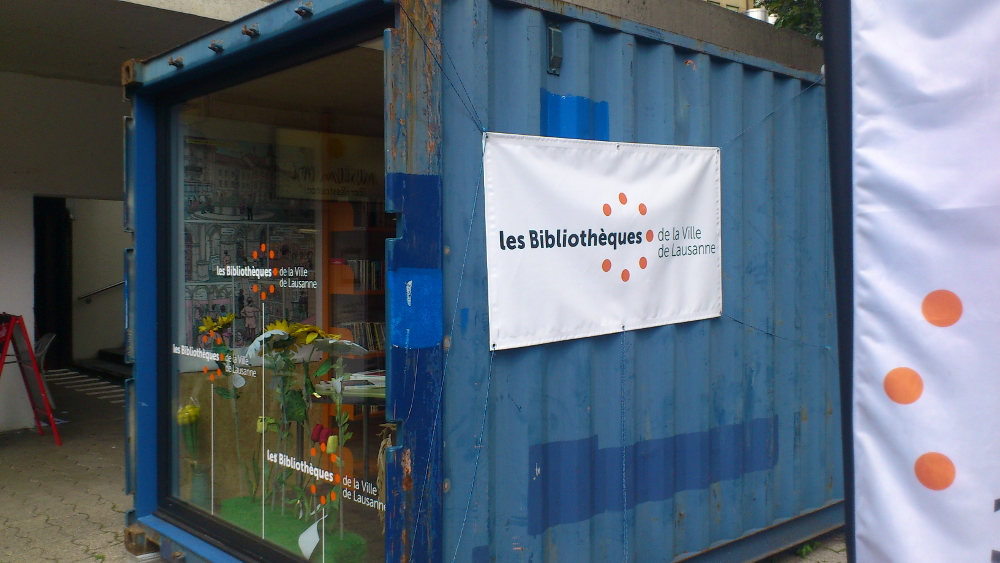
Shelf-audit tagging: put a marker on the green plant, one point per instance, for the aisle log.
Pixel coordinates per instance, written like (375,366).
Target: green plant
(807,548)
(804,16)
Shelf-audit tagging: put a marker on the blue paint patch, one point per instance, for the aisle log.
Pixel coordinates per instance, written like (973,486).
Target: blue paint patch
(417,200)
(416,302)
(574,117)
(573,480)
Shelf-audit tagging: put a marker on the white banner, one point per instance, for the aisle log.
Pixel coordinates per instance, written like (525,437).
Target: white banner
(591,237)
(927,249)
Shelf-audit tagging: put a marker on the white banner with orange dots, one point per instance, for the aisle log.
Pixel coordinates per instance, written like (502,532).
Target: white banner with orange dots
(927,280)
(592,237)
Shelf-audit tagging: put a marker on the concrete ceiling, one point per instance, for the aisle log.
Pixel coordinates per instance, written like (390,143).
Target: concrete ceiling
(88,40)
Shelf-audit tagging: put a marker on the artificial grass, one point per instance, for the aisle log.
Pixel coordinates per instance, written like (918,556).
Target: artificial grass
(284,530)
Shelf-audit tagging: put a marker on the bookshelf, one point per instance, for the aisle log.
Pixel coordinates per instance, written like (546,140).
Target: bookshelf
(354,296)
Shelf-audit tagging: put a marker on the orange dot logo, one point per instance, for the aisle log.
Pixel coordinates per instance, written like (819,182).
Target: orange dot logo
(333,496)
(271,289)
(642,209)
(649,235)
(263,295)
(322,447)
(622,199)
(903,385)
(218,340)
(607,210)
(642,262)
(322,500)
(942,308)
(333,458)
(274,271)
(934,471)
(255,288)
(204,369)
(606,265)
(204,338)
(211,377)
(254,254)
(312,452)
(263,247)
(312,489)
(336,478)
(270,254)
(218,372)
(625,275)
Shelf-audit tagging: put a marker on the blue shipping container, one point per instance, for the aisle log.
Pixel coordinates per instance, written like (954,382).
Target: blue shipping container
(716,440)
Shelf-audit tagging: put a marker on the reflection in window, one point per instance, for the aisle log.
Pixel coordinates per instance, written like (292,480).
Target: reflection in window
(279,307)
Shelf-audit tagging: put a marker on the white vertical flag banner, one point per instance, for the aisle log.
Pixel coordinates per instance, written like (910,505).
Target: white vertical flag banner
(926,96)
(592,237)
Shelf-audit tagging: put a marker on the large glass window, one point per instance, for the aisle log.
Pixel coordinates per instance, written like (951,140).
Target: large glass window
(279,340)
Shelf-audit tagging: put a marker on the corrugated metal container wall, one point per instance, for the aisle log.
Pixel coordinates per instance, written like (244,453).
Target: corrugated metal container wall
(706,431)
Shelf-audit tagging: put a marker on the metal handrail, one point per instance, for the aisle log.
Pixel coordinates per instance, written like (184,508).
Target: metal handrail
(93,293)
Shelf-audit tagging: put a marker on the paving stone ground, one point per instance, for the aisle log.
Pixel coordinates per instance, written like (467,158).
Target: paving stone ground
(65,504)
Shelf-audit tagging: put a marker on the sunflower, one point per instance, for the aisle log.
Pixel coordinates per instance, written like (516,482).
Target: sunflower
(305,334)
(281,325)
(209,325)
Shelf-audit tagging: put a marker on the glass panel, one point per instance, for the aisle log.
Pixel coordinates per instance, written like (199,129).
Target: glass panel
(279,307)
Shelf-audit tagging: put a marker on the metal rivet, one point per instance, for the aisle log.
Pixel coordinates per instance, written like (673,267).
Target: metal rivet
(178,62)
(216,45)
(252,32)
(305,10)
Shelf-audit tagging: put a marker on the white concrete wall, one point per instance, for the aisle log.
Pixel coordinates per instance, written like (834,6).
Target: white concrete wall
(98,244)
(60,137)
(17,293)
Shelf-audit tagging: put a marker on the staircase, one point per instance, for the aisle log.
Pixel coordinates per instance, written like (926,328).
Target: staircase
(110,363)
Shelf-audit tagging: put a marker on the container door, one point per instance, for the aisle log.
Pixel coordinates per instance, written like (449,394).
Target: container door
(278,236)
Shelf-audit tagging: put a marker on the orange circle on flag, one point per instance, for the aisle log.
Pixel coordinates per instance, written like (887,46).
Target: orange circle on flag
(607,209)
(254,254)
(622,198)
(274,271)
(903,385)
(263,247)
(935,471)
(942,308)
(642,262)
(270,254)
(642,209)
(263,296)
(625,275)
(255,288)
(606,265)
(271,289)
(649,235)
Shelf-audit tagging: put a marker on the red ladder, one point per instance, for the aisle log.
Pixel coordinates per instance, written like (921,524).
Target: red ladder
(12,331)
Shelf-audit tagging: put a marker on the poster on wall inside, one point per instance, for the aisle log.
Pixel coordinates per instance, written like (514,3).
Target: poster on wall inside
(587,238)
(327,166)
